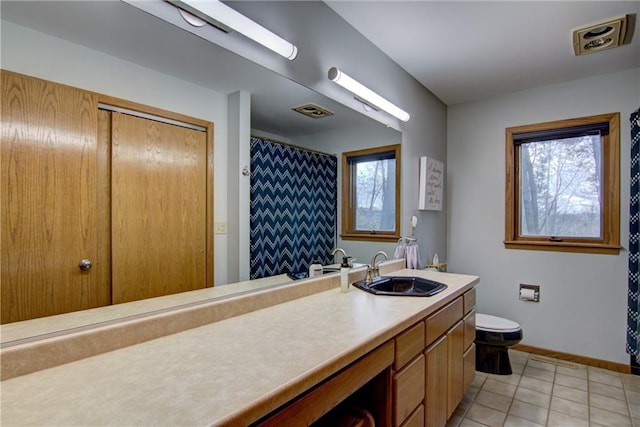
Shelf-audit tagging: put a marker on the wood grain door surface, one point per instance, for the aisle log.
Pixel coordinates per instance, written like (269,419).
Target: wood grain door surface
(48,199)
(158,196)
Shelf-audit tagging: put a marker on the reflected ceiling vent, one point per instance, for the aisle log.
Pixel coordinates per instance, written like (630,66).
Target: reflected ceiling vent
(600,36)
(313,110)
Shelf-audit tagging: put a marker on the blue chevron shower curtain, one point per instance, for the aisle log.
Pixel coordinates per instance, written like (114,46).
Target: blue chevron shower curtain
(293,207)
(633,312)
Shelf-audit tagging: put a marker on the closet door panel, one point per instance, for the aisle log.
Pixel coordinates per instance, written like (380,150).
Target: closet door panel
(158,195)
(48,199)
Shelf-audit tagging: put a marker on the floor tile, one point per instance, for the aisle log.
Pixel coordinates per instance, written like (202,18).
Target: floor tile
(520,357)
(606,390)
(498,387)
(495,401)
(509,379)
(631,385)
(578,373)
(573,382)
(537,385)
(485,415)
(513,421)
(529,412)
(570,408)
(533,397)
(605,378)
(628,379)
(608,418)
(517,368)
(542,365)
(550,394)
(478,380)
(540,374)
(570,394)
(557,419)
(610,404)
(634,409)
(471,394)
(470,423)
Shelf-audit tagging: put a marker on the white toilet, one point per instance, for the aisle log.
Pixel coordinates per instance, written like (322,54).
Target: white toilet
(494,335)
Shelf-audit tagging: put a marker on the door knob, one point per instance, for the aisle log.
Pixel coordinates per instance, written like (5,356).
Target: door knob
(85,265)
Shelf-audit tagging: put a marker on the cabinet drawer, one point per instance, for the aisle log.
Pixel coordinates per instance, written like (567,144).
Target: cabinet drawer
(442,320)
(408,389)
(408,345)
(469,300)
(469,329)
(416,419)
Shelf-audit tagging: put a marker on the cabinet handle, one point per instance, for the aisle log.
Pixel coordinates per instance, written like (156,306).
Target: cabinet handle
(85,265)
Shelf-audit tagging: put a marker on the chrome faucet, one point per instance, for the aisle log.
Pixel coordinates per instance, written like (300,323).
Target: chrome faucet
(336,250)
(374,271)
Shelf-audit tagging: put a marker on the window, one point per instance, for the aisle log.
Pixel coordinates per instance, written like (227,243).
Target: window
(371,194)
(562,185)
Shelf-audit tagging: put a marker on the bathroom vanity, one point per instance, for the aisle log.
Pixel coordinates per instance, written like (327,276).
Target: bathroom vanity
(322,355)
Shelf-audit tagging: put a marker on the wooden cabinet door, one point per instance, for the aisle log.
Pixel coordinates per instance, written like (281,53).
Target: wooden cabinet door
(408,389)
(455,367)
(158,196)
(435,401)
(48,199)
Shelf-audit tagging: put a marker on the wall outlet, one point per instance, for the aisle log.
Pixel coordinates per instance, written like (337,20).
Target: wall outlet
(220,228)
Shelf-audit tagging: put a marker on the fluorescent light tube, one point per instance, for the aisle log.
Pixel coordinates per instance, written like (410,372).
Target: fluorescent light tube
(366,94)
(223,14)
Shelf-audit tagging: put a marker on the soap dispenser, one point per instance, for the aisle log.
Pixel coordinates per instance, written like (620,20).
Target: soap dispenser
(344,274)
(315,269)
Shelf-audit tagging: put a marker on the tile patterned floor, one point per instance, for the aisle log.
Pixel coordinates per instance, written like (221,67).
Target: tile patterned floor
(550,392)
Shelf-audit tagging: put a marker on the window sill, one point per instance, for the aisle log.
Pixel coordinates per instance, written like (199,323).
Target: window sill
(588,248)
(371,237)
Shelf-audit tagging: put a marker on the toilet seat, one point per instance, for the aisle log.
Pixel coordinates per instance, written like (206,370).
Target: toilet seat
(489,323)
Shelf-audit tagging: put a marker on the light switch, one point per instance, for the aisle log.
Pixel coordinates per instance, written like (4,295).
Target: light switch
(220,228)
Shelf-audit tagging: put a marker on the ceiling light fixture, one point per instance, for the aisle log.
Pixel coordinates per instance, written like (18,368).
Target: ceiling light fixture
(216,13)
(366,95)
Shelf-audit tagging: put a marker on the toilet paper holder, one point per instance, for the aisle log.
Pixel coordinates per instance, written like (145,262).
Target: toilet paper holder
(529,292)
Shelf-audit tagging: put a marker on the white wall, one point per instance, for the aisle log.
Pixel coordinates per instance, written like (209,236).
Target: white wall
(40,55)
(583,302)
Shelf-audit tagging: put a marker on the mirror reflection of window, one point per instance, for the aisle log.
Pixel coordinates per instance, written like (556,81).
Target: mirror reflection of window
(371,180)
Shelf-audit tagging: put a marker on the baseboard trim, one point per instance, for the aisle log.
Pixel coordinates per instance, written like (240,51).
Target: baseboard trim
(604,364)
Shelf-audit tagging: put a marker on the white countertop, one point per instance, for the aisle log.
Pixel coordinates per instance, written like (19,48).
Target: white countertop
(228,372)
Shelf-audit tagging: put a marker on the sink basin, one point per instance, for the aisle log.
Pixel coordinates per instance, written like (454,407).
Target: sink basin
(402,286)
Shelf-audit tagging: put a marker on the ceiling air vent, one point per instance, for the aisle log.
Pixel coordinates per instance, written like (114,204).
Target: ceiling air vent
(600,36)
(313,110)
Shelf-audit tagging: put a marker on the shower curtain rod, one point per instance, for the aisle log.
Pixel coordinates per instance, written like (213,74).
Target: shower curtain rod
(299,147)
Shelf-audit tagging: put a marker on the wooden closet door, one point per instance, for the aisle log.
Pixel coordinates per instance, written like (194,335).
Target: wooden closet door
(48,200)
(158,194)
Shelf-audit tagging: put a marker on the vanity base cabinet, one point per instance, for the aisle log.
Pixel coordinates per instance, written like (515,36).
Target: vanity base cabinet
(416,379)
(369,376)
(450,359)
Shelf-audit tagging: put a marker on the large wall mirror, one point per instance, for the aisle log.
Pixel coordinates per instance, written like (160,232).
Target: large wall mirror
(126,33)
